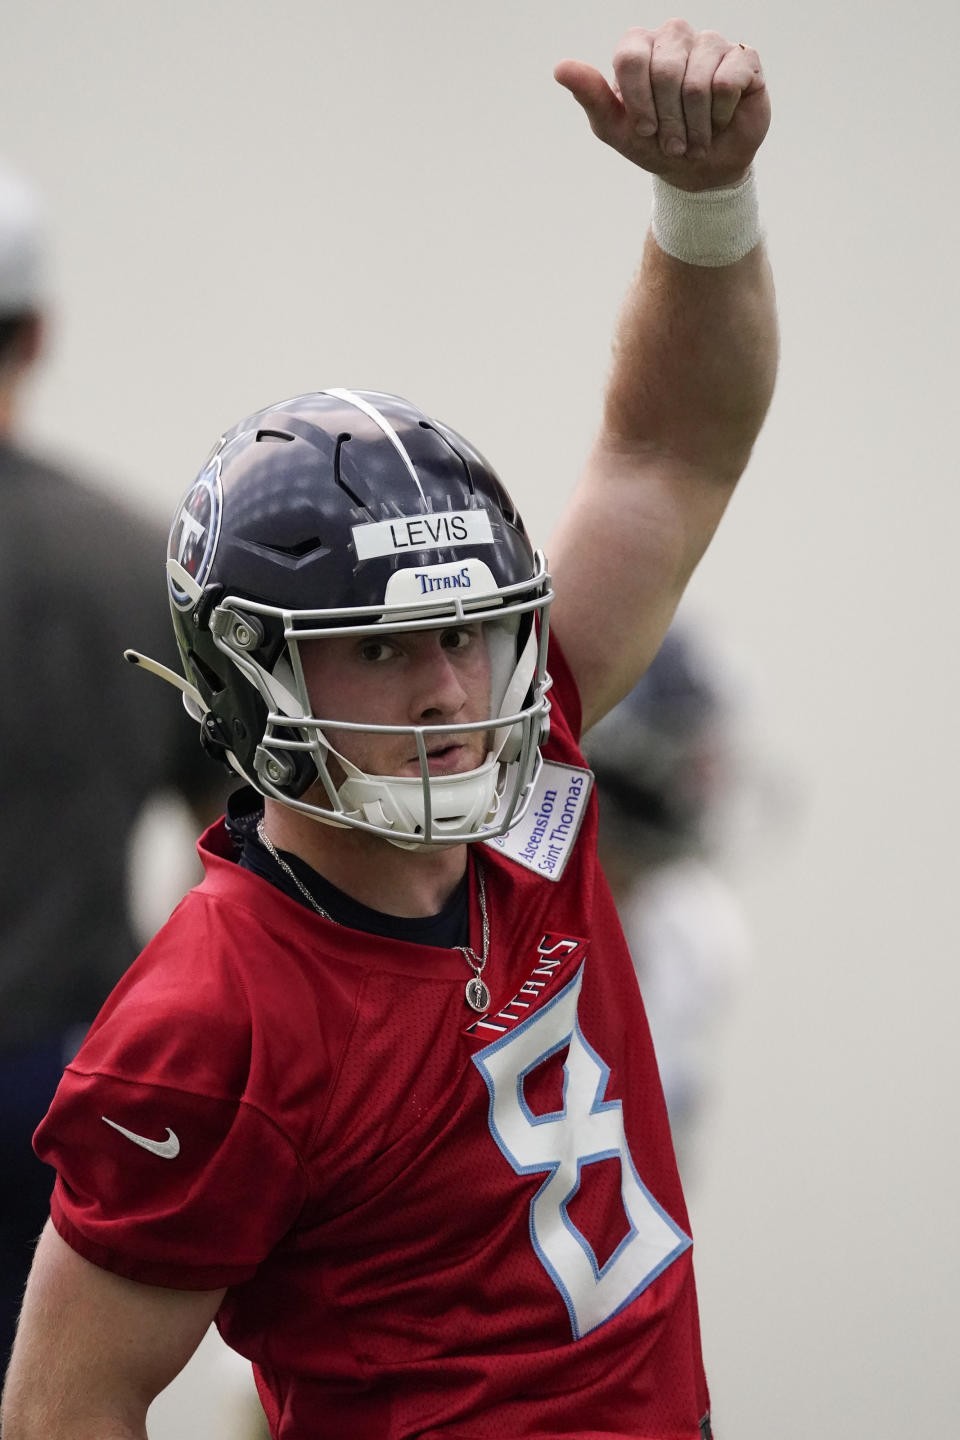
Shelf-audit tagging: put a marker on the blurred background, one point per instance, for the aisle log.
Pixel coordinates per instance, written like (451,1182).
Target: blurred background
(245,202)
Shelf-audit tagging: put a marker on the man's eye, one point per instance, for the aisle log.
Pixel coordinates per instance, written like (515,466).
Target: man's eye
(457,639)
(373,650)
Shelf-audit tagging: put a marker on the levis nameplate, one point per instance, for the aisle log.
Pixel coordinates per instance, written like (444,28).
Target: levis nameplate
(422,532)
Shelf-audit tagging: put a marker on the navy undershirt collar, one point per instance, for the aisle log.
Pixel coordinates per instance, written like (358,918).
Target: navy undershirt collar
(449,927)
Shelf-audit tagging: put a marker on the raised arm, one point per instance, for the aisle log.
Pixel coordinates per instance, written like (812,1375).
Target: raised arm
(94,1350)
(695,353)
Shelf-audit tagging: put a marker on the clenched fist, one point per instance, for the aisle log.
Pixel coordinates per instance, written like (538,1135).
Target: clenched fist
(684,104)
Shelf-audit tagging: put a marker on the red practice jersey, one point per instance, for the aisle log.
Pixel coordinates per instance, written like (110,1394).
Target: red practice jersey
(429,1224)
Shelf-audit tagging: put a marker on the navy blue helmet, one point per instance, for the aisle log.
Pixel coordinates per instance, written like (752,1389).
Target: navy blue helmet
(353,510)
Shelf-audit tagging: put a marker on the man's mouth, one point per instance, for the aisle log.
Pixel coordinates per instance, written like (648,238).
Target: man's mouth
(445,760)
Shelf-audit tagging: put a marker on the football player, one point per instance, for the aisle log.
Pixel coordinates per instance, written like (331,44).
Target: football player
(380,1098)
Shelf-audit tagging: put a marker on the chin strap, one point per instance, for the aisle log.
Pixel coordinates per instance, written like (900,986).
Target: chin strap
(192,699)
(457,803)
(193,703)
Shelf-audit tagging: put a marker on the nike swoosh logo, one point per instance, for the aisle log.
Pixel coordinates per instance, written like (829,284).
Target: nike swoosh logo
(169,1149)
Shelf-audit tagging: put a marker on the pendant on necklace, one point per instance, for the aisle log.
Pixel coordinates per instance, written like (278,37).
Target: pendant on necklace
(478,996)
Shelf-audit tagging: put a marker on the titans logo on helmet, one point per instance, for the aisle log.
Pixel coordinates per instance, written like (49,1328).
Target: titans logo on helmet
(196,530)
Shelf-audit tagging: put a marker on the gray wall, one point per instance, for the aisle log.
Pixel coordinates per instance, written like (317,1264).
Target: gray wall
(253,200)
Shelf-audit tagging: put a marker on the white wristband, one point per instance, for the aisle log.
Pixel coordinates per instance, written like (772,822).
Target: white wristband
(707,227)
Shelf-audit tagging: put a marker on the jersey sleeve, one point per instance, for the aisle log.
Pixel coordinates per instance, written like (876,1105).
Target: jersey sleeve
(565,697)
(184,1186)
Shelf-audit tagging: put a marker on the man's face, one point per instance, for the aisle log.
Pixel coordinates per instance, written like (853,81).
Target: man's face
(415,677)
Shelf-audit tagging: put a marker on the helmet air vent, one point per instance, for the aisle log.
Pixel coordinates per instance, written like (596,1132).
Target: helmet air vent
(468,477)
(338,473)
(296,552)
(273,435)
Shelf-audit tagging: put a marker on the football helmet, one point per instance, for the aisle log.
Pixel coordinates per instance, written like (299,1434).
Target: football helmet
(351,513)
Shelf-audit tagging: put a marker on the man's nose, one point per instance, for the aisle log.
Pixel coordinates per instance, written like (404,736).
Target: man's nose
(439,692)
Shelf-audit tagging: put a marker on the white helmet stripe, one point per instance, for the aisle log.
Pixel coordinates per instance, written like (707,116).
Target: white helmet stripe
(384,425)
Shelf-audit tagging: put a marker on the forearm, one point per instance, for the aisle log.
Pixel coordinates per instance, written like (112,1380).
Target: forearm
(695,358)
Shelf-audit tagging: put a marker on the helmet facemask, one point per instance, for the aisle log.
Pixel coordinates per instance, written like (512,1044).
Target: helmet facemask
(411,811)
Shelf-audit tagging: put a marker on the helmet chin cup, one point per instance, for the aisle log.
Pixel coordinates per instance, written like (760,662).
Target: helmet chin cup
(458,804)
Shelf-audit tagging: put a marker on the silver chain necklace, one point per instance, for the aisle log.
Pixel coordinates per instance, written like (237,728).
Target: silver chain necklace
(477,994)
(311,899)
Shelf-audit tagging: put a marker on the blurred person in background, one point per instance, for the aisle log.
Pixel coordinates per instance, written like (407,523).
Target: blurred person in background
(82,747)
(664,761)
